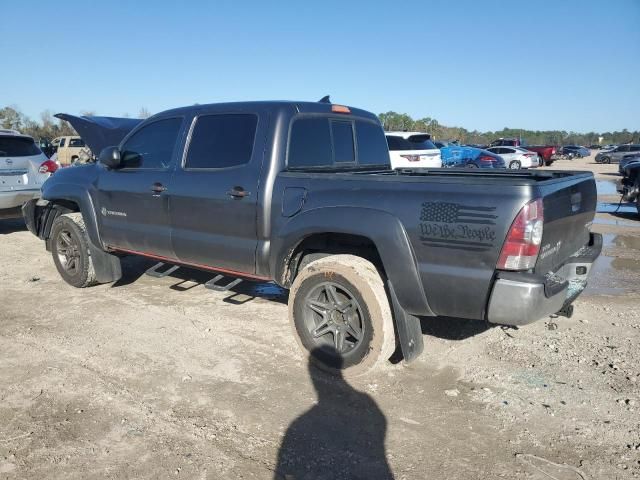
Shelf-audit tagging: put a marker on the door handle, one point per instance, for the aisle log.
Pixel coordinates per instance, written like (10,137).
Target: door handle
(158,188)
(238,192)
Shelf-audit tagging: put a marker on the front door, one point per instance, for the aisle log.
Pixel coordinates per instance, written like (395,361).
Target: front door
(213,197)
(133,205)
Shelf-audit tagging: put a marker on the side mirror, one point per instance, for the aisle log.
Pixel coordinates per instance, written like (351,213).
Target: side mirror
(110,157)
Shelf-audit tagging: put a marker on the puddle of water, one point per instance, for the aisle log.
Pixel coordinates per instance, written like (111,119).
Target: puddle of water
(624,241)
(618,223)
(610,207)
(615,275)
(606,187)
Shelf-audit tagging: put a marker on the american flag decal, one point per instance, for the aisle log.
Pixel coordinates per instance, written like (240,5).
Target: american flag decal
(454,213)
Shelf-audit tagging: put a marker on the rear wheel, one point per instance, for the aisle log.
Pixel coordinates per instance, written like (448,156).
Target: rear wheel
(70,250)
(606,160)
(341,315)
(515,165)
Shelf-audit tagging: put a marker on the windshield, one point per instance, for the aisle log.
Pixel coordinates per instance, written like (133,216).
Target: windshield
(414,142)
(18,147)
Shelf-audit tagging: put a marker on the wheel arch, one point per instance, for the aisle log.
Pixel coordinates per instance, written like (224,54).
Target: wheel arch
(353,230)
(74,199)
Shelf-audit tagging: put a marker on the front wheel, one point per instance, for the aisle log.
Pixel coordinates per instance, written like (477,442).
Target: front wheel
(606,160)
(70,250)
(341,316)
(515,165)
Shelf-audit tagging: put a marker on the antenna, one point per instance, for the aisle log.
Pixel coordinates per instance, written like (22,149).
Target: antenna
(325,99)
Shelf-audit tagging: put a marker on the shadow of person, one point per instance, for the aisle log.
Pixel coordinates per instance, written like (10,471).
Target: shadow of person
(340,437)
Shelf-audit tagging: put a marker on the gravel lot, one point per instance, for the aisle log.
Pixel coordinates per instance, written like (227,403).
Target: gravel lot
(160,378)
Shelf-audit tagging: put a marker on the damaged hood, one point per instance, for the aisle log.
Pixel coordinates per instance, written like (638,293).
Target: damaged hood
(100,132)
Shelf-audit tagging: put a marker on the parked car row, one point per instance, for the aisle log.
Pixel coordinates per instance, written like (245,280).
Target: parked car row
(616,154)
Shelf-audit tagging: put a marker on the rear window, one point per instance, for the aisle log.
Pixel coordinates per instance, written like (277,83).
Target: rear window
(343,142)
(414,142)
(324,142)
(18,147)
(220,141)
(372,147)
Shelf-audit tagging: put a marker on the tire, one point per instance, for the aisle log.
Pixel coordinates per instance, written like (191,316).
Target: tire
(540,161)
(471,165)
(74,160)
(332,341)
(70,250)
(548,163)
(515,165)
(606,160)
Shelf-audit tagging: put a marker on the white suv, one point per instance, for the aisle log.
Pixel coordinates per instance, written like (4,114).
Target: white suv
(413,150)
(23,170)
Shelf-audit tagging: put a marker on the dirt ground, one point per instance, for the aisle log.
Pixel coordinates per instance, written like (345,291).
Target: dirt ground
(161,378)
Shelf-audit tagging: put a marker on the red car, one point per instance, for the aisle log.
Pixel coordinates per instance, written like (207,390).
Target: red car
(546,152)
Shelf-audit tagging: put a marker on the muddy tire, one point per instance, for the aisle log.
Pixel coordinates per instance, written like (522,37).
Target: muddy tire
(70,250)
(340,314)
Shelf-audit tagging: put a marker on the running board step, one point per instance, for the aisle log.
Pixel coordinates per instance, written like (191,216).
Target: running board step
(213,284)
(153,271)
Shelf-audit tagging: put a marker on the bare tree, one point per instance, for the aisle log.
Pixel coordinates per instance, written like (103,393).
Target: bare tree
(144,113)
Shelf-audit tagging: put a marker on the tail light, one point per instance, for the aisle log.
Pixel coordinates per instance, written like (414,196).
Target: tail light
(48,166)
(411,158)
(521,248)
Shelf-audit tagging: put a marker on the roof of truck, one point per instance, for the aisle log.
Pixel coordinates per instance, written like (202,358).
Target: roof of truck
(296,106)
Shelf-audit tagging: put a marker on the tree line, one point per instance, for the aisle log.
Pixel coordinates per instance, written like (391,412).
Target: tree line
(401,121)
(49,127)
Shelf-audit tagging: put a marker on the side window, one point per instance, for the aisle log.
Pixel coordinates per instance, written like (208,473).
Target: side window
(623,148)
(343,145)
(152,146)
(372,145)
(635,148)
(220,141)
(76,142)
(62,141)
(310,143)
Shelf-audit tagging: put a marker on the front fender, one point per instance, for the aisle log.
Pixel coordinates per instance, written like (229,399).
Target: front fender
(78,194)
(382,228)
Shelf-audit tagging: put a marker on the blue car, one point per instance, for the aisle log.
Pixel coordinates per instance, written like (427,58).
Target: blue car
(455,156)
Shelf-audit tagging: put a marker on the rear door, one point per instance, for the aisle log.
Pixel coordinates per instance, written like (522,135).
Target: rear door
(133,205)
(213,197)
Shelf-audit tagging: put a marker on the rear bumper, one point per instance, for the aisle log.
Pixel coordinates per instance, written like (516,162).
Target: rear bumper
(16,198)
(521,298)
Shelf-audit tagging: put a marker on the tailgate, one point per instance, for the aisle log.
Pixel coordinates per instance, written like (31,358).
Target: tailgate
(569,208)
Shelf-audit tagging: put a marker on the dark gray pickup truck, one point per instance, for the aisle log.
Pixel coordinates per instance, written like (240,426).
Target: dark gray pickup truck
(302,194)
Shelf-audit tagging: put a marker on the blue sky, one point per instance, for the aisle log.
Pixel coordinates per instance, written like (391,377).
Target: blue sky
(571,65)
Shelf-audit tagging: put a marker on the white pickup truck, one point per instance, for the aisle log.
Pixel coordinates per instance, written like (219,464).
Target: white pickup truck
(23,170)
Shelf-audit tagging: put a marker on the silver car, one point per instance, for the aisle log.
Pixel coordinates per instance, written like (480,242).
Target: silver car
(615,155)
(23,170)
